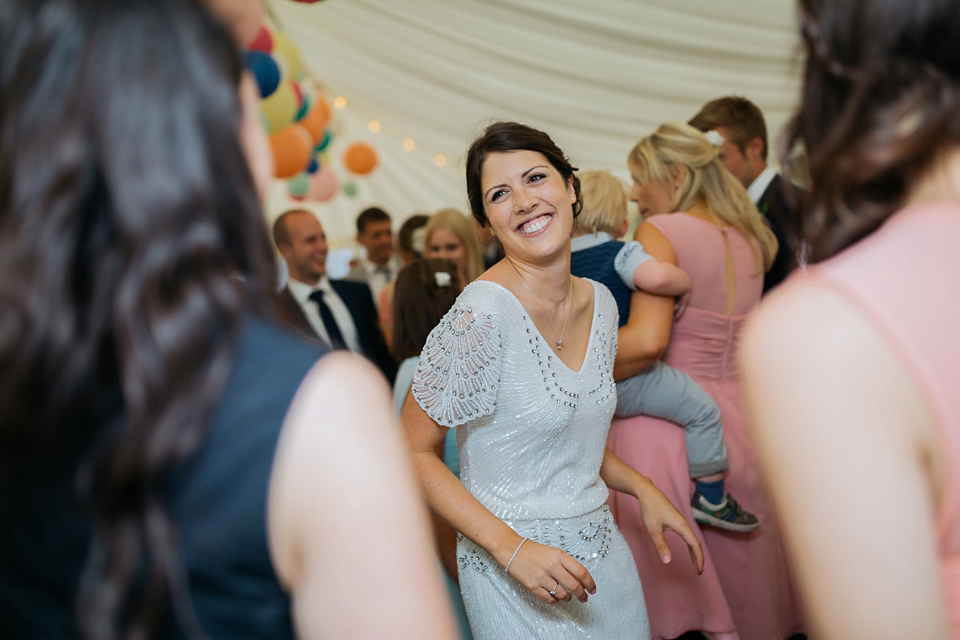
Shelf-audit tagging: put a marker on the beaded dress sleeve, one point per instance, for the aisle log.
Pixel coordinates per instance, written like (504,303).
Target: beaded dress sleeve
(457,376)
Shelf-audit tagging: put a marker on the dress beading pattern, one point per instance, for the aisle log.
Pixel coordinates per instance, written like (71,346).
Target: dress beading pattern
(457,376)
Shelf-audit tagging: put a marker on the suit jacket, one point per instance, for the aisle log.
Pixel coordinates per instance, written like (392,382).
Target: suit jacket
(359,302)
(781,214)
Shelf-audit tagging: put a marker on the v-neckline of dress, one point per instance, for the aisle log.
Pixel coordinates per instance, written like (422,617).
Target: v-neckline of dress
(529,320)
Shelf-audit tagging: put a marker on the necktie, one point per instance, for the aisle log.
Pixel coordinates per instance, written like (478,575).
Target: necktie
(336,338)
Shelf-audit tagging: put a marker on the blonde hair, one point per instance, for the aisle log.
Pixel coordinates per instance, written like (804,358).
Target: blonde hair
(454,221)
(604,202)
(672,144)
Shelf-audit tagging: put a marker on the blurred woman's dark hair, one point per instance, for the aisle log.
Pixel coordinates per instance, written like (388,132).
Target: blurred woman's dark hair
(505,137)
(407,242)
(879,105)
(425,291)
(131,243)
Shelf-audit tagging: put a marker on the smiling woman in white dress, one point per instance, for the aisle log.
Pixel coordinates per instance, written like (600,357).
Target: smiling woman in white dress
(521,366)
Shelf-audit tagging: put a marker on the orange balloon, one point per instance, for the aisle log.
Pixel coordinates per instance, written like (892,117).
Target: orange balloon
(324,109)
(316,119)
(360,158)
(291,150)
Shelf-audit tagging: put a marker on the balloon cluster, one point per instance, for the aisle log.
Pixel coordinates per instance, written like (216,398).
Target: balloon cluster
(297,120)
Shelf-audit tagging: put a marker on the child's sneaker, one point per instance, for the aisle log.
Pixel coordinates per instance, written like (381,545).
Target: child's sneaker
(727,515)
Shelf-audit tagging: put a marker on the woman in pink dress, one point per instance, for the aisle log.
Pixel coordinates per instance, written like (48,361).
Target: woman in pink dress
(850,370)
(719,238)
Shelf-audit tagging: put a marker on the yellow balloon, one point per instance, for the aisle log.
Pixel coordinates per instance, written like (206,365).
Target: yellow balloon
(285,47)
(280,107)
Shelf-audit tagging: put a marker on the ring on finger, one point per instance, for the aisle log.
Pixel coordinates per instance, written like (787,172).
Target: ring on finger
(555,587)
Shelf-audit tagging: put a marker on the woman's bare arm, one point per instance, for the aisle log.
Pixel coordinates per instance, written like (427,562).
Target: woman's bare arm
(659,514)
(644,338)
(347,529)
(849,453)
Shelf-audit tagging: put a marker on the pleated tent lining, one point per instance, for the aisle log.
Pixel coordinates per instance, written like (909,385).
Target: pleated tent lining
(596,74)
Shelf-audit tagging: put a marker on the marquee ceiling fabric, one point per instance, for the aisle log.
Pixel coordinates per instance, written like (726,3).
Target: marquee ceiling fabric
(596,74)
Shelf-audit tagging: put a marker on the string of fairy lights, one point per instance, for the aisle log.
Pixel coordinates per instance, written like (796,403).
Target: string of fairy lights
(407,143)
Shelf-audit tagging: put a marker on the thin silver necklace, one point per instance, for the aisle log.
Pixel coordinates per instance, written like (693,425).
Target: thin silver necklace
(565,318)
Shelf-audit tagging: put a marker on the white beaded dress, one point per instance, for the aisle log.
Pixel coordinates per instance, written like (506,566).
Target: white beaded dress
(531,434)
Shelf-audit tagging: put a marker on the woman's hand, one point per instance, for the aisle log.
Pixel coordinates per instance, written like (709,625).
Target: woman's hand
(550,573)
(660,515)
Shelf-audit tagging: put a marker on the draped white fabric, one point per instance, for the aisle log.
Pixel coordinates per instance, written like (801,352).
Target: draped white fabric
(596,74)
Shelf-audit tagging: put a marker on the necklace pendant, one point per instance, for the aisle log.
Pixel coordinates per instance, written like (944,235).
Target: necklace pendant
(559,345)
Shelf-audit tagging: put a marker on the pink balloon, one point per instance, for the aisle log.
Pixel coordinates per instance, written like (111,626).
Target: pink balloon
(323,184)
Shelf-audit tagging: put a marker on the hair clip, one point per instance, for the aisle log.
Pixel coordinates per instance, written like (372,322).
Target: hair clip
(714,137)
(418,239)
(442,278)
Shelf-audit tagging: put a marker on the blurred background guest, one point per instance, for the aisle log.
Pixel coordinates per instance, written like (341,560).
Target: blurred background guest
(410,238)
(377,264)
(451,234)
(338,314)
(699,217)
(743,151)
(409,249)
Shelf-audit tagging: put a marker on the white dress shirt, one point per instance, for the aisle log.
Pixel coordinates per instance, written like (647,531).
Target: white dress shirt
(301,293)
(376,275)
(760,184)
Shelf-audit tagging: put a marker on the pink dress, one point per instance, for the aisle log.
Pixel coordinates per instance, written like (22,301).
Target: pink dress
(745,587)
(905,277)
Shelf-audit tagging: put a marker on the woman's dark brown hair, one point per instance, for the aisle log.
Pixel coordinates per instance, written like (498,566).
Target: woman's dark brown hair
(420,299)
(504,137)
(879,105)
(405,241)
(131,242)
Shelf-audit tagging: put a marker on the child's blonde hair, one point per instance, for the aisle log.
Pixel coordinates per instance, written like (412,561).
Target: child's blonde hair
(604,199)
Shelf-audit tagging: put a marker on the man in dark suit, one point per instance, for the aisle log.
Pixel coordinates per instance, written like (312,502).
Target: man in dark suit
(338,313)
(744,153)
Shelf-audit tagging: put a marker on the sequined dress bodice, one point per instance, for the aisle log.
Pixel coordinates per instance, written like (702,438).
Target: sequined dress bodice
(531,432)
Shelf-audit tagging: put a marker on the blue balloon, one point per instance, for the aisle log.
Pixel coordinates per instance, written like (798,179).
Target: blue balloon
(313,166)
(265,69)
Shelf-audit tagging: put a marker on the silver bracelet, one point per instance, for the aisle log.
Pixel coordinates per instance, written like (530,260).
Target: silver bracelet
(507,568)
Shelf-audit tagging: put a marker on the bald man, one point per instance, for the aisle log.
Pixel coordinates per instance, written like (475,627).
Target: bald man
(338,313)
